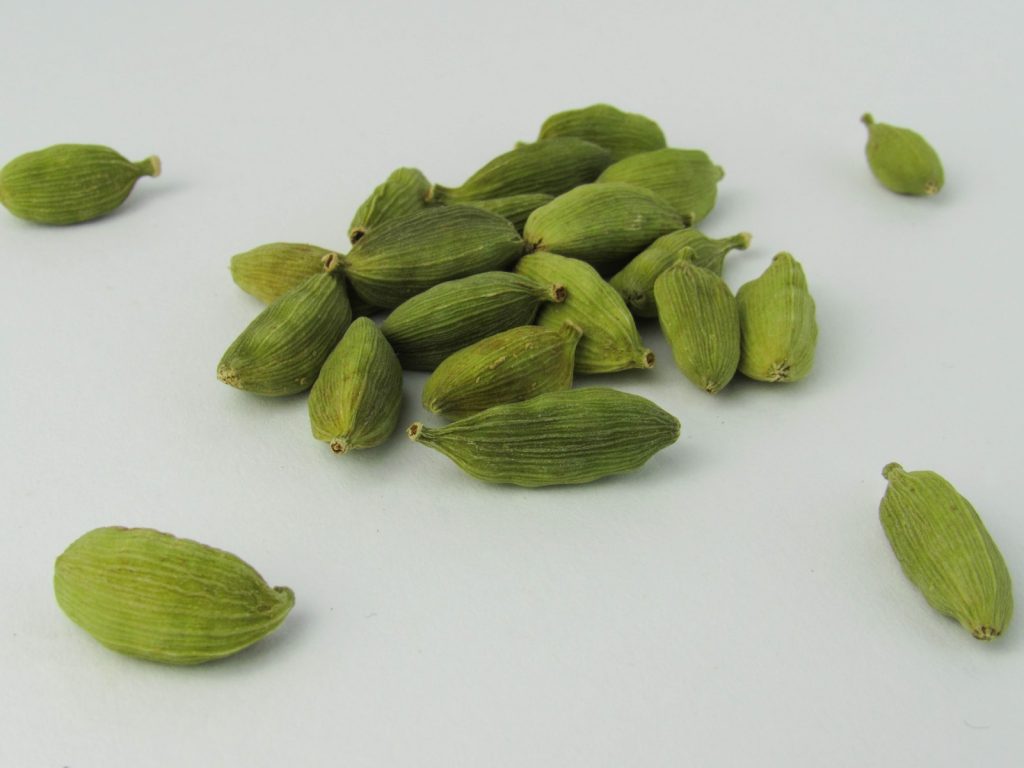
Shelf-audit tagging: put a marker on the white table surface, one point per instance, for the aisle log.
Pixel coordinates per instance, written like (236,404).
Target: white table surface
(733,603)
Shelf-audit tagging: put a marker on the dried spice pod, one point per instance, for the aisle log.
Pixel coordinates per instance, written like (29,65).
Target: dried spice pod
(621,133)
(558,438)
(268,271)
(429,327)
(902,160)
(516,209)
(685,178)
(404,192)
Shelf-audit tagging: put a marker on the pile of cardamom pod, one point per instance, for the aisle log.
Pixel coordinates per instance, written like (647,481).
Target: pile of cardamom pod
(503,287)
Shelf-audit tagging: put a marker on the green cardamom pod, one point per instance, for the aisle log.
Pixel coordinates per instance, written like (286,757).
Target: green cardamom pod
(271,270)
(635,281)
(622,133)
(945,550)
(358,394)
(778,330)
(404,257)
(602,224)
(516,209)
(701,320)
(902,160)
(548,167)
(611,341)
(558,438)
(404,192)
(684,178)
(70,183)
(510,366)
(157,597)
(430,326)
(282,350)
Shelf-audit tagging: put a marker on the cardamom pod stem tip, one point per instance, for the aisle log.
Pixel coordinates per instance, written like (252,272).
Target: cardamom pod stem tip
(150,166)
(414,430)
(867,119)
(334,261)
(340,445)
(647,359)
(228,375)
(891,468)
(557,293)
(743,240)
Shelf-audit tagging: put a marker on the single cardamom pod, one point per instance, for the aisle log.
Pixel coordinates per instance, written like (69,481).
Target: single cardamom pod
(430,326)
(778,331)
(176,601)
(611,341)
(602,224)
(549,167)
(902,160)
(404,192)
(685,178)
(358,394)
(622,133)
(508,367)
(70,183)
(635,281)
(282,350)
(406,256)
(516,209)
(271,270)
(945,550)
(558,438)
(701,320)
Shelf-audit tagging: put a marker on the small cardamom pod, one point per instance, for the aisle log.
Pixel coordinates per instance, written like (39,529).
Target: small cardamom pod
(516,209)
(902,160)
(622,133)
(684,178)
(404,192)
(271,270)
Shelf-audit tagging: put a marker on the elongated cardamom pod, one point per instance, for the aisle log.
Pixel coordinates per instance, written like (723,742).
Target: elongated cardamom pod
(778,329)
(945,550)
(558,438)
(505,368)
(429,327)
(358,394)
(406,256)
(622,133)
(271,270)
(611,341)
(176,601)
(902,160)
(516,209)
(701,321)
(282,350)
(602,224)
(549,167)
(70,183)
(404,192)
(635,281)
(684,178)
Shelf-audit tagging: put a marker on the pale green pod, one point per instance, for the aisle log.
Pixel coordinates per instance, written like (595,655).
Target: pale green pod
(404,192)
(355,401)
(611,341)
(271,270)
(902,160)
(403,257)
(946,551)
(701,321)
(559,438)
(684,178)
(514,365)
(282,350)
(70,183)
(621,133)
(635,281)
(430,326)
(157,597)
(516,209)
(778,329)
(604,225)
(548,167)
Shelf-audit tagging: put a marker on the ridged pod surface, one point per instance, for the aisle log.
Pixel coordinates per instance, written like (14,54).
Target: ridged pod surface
(157,597)
(404,192)
(516,209)
(558,438)
(269,271)
(621,133)
(902,160)
(685,178)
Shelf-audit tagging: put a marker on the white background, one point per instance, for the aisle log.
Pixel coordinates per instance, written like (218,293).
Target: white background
(733,603)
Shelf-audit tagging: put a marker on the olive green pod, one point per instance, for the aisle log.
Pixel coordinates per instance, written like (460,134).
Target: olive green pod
(559,438)
(510,366)
(271,270)
(357,396)
(701,321)
(611,341)
(635,281)
(157,597)
(684,178)
(602,224)
(70,183)
(621,133)
(403,257)
(404,192)
(282,350)
(548,167)
(946,551)
(902,160)
(516,209)
(429,327)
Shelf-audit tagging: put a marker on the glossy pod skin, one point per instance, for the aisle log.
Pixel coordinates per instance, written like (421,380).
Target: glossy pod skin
(621,133)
